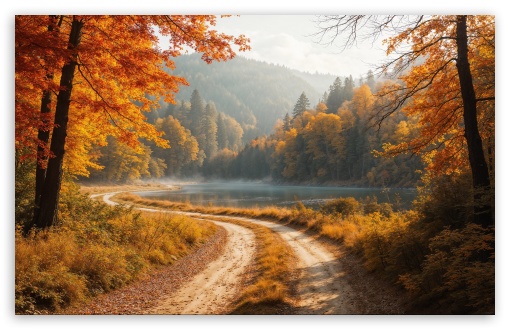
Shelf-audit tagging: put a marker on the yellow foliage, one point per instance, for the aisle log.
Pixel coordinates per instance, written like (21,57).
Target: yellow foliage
(64,266)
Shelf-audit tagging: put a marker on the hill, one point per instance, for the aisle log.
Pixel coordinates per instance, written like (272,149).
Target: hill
(255,93)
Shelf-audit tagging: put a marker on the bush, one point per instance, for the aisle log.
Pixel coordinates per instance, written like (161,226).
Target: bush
(43,279)
(343,206)
(95,248)
(459,272)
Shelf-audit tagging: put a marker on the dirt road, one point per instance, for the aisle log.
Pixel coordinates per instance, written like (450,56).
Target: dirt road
(321,289)
(212,291)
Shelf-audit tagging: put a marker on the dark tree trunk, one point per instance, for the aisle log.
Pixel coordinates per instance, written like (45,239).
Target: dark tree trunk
(43,136)
(479,170)
(51,188)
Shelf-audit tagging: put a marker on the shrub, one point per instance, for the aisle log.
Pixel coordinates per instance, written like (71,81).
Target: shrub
(95,248)
(42,277)
(343,206)
(459,272)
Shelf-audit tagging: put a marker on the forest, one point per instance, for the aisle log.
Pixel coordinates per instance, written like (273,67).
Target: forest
(85,115)
(304,146)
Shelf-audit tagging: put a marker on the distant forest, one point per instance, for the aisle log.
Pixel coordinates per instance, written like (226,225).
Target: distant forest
(245,119)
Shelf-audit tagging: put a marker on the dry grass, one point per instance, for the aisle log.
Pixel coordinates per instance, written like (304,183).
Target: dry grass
(274,213)
(67,265)
(99,189)
(269,290)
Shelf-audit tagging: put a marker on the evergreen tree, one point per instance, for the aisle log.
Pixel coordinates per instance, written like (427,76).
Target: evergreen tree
(301,105)
(221,133)
(286,122)
(348,90)
(209,129)
(370,80)
(335,97)
(196,112)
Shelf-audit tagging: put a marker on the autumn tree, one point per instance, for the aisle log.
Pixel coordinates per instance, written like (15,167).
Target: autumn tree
(122,163)
(325,145)
(184,148)
(105,72)
(446,64)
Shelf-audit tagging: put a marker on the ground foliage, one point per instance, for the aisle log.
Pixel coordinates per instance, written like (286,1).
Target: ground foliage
(95,249)
(434,252)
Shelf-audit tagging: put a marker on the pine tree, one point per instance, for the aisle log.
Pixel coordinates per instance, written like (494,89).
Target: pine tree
(196,112)
(301,105)
(335,97)
(286,122)
(221,133)
(348,90)
(209,129)
(370,80)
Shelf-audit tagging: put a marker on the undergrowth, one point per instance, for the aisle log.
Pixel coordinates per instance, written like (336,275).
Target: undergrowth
(445,262)
(95,249)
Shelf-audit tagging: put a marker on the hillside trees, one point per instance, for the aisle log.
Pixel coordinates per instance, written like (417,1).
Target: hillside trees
(184,149)
(448,79)
(98,61)
(301,106)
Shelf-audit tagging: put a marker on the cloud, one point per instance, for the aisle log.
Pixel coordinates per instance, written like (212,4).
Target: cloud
(305,55)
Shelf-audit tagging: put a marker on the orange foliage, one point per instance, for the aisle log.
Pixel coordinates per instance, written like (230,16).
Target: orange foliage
(119,76)
(435,89)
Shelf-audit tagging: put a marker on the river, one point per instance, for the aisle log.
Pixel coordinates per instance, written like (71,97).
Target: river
(254,194)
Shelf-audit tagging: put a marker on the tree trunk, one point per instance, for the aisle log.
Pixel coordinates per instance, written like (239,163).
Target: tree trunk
(51,188)
(43,137)
(479,170)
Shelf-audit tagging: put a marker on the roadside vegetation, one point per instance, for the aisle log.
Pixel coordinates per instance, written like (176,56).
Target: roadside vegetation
(95,249)
(270,289)
(433,251)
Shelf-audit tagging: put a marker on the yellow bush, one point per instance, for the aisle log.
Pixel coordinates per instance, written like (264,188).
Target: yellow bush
(97,252)
(42,276)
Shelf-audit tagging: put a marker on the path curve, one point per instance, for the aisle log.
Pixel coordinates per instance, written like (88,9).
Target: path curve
(322,286)
(214,289)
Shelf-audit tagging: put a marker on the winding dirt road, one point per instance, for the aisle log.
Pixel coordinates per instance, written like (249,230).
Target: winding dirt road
(321,288)
(213,290)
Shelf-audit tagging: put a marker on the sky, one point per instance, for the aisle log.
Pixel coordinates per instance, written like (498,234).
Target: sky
(291,40)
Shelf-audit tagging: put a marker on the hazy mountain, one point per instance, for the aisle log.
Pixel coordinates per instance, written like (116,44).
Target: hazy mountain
(255,93)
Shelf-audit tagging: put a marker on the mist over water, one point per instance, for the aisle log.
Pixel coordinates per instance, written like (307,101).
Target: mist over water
(253,194)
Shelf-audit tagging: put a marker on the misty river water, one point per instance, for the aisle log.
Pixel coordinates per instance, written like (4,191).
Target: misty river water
(253,194)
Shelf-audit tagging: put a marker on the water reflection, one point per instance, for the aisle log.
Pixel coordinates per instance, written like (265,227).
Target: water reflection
(251,194)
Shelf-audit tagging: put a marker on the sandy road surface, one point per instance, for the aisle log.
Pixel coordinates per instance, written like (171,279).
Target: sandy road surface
(211,291)
(215,288)
(321,289)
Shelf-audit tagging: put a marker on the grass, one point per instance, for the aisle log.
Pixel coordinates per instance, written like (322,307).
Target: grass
(274,213)
(99,189)
(269,290)
(97,250)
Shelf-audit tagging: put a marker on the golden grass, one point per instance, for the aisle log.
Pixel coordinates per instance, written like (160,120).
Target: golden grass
(274,213)
(99,189)
(274,263)
(67,265)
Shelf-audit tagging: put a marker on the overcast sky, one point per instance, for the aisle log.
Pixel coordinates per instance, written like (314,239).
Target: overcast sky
(288,40)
